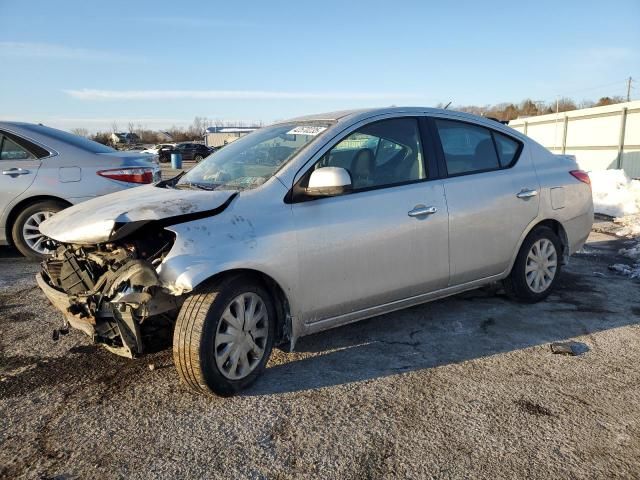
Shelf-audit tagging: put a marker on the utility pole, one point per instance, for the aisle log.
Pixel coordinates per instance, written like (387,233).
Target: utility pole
(629,80)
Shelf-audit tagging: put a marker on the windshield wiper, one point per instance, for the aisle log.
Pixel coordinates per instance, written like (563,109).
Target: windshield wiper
(198,186)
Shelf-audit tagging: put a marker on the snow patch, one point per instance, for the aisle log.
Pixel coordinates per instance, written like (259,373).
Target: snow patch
(614,194)
(632,271)
(629,228)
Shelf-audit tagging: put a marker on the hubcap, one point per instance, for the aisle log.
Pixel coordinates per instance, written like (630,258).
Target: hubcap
(542,262)
(241,337)
(31,232)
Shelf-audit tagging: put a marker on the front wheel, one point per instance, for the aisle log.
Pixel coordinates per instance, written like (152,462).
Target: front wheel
(197,158)
(537,267)
(224,335)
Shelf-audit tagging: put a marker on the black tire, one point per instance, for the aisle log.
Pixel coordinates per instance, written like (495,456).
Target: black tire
(197,158)
(16,232)
(515,284)
(197,326)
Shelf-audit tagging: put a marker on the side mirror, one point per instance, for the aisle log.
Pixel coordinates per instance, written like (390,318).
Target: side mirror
(329,181)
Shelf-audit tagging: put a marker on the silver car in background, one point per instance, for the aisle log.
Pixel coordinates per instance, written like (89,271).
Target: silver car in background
(45,170)
(313,223)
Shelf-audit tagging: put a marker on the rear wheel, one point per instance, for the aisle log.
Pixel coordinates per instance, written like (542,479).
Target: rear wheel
(224,335)
(26,229)
(197,158)
(537,266)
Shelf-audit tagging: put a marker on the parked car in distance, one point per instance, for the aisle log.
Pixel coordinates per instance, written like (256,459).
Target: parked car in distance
(310,224)
(45,170)
(189,151)
(156,149)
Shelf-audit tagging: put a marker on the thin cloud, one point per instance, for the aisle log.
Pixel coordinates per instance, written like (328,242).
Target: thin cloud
(91,94)
(193,22)
(48,50)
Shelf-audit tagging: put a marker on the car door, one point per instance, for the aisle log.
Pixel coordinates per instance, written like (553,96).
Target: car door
(379,243)
(491,189)
(18,167)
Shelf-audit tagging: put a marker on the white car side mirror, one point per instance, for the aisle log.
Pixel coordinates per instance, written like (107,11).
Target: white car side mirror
(329,181)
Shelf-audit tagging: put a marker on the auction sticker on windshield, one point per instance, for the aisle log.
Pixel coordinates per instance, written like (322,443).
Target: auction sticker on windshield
(307,130)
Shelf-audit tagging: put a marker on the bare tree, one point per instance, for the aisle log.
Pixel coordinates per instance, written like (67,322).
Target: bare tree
(102,137)
(565,104)
(81,132)
(528,108)
(609,100)
(114,127)
(197,127)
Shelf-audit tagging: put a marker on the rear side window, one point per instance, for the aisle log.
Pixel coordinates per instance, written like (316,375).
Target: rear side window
(507,149)
(10,150)
(467,148)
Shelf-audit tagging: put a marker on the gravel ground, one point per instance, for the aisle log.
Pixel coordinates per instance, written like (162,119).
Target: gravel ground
(462,387)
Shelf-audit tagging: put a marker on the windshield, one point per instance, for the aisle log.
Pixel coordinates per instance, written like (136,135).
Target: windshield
(251,160)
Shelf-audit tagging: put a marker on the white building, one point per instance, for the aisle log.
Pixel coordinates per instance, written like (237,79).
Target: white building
(219,136)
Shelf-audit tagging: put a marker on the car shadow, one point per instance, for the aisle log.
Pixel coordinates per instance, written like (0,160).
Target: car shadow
(588,299)
(10,252)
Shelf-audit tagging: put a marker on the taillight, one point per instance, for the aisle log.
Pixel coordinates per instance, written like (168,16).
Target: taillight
(582,176)
(131,175)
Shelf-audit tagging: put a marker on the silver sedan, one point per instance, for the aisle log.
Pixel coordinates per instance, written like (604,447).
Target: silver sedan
(313,223)
(45,170)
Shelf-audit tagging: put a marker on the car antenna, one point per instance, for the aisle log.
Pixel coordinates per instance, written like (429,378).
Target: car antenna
(447,106)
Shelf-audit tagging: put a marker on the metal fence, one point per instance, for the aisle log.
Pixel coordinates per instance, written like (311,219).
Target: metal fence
(600,137)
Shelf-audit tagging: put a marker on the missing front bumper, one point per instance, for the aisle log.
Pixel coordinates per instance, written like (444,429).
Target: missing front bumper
(116,326)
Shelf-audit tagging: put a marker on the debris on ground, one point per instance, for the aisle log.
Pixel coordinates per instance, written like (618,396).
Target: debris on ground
(569,348)
(562,349)
(632,271)
(625,226)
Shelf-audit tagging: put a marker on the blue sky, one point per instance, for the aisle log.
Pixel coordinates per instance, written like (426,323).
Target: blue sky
(87,64)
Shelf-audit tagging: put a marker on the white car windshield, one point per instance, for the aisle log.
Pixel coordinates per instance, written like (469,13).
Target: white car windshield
(251,160)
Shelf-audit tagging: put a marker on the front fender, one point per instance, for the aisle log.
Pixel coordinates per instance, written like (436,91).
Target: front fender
(234,239)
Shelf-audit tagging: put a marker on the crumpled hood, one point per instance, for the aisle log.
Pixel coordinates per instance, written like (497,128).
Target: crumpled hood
(100,219)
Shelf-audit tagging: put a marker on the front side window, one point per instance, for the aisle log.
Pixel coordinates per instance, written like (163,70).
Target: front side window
(380,154)
(467,148)
(10,150)
(252,159)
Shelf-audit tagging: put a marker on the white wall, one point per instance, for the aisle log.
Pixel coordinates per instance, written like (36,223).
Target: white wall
(592,135)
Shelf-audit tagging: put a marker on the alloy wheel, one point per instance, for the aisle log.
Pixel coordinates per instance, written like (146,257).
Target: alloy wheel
(31,232)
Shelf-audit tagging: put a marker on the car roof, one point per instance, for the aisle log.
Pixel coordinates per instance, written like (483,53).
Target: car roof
(53,139)
(357,115)
(362,113)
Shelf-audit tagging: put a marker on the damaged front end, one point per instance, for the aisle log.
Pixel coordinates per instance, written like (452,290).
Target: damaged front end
(112,291)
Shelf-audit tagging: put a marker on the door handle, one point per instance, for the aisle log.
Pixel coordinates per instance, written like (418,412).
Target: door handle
(14,172)
(524,194)
(420,210)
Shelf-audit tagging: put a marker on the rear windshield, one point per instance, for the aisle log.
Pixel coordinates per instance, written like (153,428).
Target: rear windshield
(70,138)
